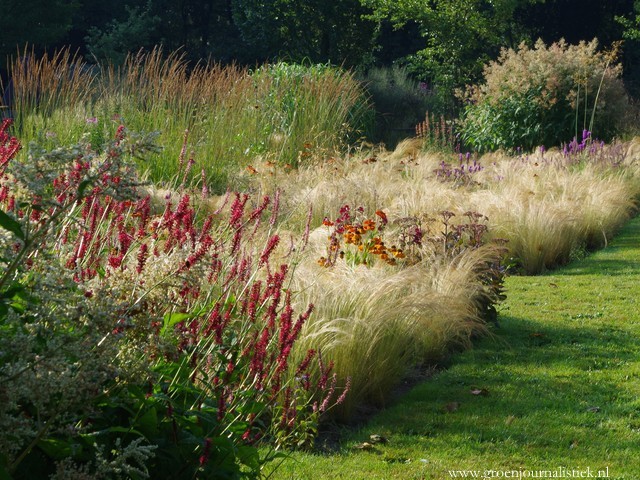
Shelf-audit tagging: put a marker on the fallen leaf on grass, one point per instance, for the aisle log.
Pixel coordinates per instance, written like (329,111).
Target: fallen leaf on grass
(452,407)
(364,446)
(480,391)
(593,409)
(391,459)
(375,438)
(510,419)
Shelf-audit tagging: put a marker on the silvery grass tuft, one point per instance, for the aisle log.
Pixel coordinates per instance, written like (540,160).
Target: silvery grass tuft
(548,205)
(391,295)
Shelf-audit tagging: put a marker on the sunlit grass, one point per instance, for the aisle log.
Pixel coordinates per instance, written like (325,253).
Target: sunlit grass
(560,375)
(231,116)
(280,128)
(547,208)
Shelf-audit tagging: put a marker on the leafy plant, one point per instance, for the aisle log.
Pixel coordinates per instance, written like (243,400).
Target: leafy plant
(172,327)
(543,96)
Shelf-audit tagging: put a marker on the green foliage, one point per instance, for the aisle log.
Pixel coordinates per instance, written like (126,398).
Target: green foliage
(321,103)
(317,30)
(545,96)
(114,42)
(283,113)
(400,102)
(516,121)
(459,37)
(631,25)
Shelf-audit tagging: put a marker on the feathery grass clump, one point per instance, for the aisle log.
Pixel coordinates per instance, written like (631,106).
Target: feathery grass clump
(547,206)
(388,298)
(51,95)
(376,323)
(550,208)
(374,319)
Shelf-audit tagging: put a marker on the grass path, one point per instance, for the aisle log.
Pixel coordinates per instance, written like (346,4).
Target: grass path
(557,389)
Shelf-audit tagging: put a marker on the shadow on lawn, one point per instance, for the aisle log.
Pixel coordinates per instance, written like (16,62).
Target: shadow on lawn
(600,266)
(536,391)
(549,390)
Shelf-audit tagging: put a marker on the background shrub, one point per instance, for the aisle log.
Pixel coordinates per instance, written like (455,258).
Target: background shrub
(545,96)
(400,102)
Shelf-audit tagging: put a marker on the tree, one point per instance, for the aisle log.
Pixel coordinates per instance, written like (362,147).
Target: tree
(203,28)
(200,28)
(459,36)
(121,37)
(574,20)
(316,30)
(39,23)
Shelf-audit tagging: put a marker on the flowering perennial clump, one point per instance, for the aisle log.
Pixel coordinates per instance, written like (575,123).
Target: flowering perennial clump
(545,95)
(460,175)
(593,151)
(437,133)
(358,239)
(172,325)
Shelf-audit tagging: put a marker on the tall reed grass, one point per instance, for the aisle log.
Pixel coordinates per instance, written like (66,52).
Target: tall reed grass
(52,93)
(281,113)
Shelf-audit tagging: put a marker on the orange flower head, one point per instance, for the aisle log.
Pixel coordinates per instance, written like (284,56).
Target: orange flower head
(383,216)
(349,237)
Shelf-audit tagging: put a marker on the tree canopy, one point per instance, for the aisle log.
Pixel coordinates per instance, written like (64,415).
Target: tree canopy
(444,43)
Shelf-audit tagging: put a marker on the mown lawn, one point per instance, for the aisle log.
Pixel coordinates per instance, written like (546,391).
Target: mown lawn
(555,391)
